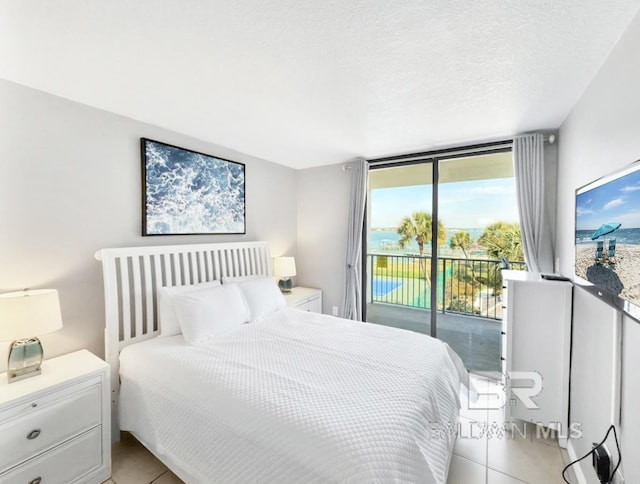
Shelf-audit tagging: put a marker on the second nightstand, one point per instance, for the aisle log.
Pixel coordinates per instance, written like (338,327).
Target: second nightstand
(305,299)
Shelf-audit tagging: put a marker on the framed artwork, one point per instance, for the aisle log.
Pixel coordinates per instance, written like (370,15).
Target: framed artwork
(186,192)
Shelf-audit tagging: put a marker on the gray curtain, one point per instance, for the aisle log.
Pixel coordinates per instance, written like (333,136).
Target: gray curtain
(352,305)
(528,162)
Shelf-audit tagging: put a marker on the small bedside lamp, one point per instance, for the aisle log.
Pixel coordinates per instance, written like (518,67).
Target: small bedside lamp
(285,269)
(23,314)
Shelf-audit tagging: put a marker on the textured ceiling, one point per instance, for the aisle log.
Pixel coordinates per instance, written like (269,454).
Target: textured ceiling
(306,83)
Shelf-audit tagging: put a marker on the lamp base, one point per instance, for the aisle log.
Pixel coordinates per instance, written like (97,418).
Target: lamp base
(25,359)
(285,285)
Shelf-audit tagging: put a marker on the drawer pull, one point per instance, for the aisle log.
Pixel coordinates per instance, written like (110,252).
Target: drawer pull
(503,333)
(34,405)
(37,480)
(33,435)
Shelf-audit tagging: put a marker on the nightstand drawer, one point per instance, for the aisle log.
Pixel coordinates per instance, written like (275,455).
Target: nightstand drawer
(64,464)
(33,403)
(305,299)
(49,425)
(313,304)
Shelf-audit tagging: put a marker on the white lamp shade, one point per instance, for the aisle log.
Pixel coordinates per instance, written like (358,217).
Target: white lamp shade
(284,267)
(29,313)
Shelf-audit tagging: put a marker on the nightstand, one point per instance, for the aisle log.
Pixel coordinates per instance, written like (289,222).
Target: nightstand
(55,427)
(305,299)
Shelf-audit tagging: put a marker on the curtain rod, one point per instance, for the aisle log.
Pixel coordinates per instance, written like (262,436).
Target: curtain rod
(482,147)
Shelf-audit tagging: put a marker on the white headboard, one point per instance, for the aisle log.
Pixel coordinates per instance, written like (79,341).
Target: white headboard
(133,274)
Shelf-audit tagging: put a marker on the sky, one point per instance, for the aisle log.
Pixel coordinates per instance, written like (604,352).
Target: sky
(468,205)
(617,200)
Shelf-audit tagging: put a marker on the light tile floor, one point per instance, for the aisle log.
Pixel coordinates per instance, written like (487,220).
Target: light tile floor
(479,457)
(484,455)
(132,463)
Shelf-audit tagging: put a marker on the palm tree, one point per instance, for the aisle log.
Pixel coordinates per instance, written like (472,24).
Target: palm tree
(463,240)
(501,239)
(419,226)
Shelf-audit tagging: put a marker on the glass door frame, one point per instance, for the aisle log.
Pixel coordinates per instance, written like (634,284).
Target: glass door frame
(433,157)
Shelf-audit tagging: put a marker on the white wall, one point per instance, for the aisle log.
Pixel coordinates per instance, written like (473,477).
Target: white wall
(323,214)
(70,184)
(600,135)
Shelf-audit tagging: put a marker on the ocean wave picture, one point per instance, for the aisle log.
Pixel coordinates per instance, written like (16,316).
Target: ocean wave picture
(186,192)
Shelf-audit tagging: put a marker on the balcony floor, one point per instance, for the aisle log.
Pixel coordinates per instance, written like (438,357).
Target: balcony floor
(476,340)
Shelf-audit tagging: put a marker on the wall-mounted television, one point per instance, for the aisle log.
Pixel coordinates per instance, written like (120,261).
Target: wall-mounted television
(607,248)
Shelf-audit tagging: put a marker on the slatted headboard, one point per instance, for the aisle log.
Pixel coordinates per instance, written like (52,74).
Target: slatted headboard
(133,274)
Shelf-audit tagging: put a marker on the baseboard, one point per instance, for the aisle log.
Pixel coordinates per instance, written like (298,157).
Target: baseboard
(577,468)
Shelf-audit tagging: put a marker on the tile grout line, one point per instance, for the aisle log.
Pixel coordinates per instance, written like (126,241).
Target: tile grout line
(487,466)
(505,474)
(158,477)
(486,452)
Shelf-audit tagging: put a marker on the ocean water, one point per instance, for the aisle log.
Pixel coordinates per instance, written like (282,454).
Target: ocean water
(189,193)
(387,240)
(622,236)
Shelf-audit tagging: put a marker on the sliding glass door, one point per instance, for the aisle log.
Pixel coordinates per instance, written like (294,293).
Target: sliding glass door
(437,229)
(400,208)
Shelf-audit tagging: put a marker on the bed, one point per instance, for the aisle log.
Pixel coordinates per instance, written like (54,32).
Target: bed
(290,396)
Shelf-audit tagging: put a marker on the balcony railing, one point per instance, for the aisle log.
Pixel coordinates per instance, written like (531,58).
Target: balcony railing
(464,286)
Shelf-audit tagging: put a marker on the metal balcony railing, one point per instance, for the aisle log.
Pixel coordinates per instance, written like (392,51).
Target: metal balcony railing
(464,286)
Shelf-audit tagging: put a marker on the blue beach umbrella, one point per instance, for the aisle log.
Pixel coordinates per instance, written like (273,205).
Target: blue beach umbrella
(605,229)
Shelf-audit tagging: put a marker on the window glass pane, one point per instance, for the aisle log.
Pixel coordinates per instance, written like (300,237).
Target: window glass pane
(399,246)
(478,207)
(478,223)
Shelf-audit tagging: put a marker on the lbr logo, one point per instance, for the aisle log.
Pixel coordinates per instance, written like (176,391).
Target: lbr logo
(523,391)
(525,394)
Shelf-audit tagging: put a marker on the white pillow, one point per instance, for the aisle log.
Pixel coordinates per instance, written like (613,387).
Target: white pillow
(167,319)
(209,312)
(263,296)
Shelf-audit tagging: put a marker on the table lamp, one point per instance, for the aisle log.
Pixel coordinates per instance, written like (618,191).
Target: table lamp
(285,269)
(22,315)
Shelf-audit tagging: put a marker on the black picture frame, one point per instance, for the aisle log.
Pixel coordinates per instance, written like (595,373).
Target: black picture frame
(185,192)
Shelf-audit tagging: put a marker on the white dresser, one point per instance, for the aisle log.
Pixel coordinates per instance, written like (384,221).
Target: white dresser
(305,299)
(55,427)
(537,338)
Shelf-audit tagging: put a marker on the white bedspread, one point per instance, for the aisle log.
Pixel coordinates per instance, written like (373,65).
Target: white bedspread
(296,397)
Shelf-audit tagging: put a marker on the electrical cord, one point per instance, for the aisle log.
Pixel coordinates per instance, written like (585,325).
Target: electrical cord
(615,435)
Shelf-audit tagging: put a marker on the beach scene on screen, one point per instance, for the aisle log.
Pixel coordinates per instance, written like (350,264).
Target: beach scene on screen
(608,236)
